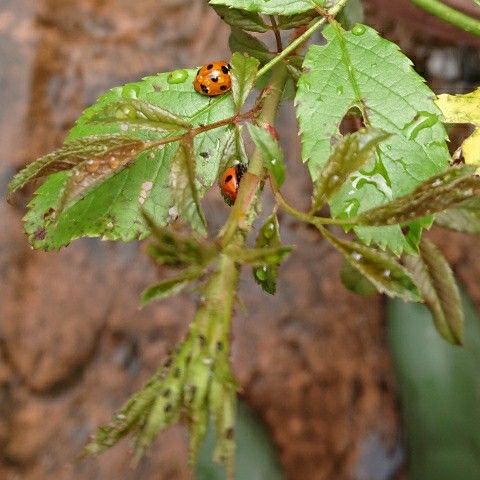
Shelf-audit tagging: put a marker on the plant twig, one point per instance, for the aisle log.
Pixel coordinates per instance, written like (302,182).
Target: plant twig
(276,31)
(301,39)
(450,15)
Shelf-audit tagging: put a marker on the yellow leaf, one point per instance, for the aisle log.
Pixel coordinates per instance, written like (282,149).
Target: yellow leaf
(464,109)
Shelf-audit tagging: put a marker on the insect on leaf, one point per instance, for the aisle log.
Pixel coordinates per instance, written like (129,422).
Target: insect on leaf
(244,71)
(360,70)
(272,153)
(382,270)
(349,155)
(447,190)
(434,277)
(464,109)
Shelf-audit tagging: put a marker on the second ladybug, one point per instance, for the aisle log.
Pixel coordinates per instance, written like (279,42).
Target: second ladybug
(230,181)
(213,79)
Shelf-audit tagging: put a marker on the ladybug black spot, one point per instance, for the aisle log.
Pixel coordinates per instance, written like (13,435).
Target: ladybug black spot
(204,88)
(223,88)
(225,69)
(228,179)
(209,66)
(214,79)
(229,66)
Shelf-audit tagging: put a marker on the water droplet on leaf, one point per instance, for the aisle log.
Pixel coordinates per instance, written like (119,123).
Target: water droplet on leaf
(177,76)
(261,273)
(359,29)
(340,90)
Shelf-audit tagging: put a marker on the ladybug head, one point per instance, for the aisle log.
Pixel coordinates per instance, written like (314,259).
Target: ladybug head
(230,181)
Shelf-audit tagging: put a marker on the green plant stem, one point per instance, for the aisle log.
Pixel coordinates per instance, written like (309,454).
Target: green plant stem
(256,172)
(302,38)
(450,15)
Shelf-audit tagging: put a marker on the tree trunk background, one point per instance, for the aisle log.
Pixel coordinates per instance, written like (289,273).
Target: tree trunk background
(312,360)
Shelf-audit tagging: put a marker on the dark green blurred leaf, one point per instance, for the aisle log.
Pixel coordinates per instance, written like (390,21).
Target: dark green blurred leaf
(379,268)
(240,41)
(439,385)
(272,153)
(244,70)
(446,190)
(465,218)
(250,21)
(256,457)
(294,21)
(268,237)
(352,13)
(259,256)
(435,280)
(169,287)
(349,155)
(355,281)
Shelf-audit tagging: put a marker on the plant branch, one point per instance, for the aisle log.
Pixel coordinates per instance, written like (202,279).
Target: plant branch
(276,31)
(302,38)
(450,15)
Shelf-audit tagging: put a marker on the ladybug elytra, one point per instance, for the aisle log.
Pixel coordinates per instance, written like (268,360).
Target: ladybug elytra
(230,181)
(213,79)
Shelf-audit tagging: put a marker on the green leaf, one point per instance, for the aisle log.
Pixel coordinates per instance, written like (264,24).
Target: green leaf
(434,277)
(259,256)
(465,218)
(349,155)
(240,41)
(173,249)
(294,21)
(244,71)
(379,268)
(355,281)
(113,208)
(361,70)
(169,287)
(272,153)
(241,19)
(438,193)
(270,7)
(183,184)
(268,237)
(72,154)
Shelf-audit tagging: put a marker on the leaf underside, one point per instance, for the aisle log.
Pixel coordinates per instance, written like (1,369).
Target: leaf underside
(361,70)
(270,7)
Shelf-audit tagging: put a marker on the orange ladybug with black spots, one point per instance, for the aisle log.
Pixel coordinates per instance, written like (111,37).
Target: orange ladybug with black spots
(213,79)
(230,182)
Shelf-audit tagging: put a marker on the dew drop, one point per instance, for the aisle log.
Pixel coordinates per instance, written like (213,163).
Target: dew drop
(386,273)
(177,76)
(356,256)
(130,91)
(269,230)
(261,273)
(359,29)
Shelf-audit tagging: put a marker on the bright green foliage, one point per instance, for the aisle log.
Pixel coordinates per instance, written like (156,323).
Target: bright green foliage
(435,280)
(250,21)
(379,268)
(243,42)
(446,190)
(349,155)
(464,218)
(269,237)
(244,71)
(361,70)
(272,153)
(148,111)
(271,7)
(355,281)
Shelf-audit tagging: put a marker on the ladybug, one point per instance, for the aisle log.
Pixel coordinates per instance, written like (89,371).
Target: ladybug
(213,79)
(230,182)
